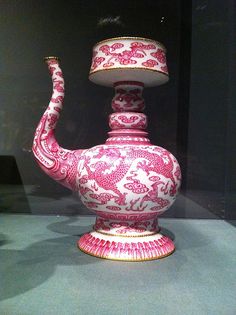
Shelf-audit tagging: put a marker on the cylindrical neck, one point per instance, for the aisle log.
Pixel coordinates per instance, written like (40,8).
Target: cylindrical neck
(128,122)
(128,97)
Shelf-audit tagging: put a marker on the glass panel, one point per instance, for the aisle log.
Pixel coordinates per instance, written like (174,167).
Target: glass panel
(192,116)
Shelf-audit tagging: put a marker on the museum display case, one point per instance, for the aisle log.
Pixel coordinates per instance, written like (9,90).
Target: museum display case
(192,116)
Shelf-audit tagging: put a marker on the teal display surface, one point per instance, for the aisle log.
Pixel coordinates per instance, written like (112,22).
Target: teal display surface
(43,272)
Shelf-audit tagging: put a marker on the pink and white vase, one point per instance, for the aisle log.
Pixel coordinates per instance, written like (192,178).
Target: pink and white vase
(127,182)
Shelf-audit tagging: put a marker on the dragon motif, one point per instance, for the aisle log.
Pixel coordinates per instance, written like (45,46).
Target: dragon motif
(109,166)
(108,180)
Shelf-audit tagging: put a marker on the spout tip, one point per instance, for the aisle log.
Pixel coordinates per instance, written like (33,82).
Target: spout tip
(46,59)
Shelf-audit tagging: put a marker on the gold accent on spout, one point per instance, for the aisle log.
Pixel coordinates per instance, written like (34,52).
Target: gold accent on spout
(50,58)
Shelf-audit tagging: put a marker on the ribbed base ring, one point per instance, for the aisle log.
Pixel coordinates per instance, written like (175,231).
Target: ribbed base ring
(126,249)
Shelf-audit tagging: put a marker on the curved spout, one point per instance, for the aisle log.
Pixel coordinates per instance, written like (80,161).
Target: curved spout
(58,163)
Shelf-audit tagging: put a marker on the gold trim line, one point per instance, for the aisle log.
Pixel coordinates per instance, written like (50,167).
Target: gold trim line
(128,236)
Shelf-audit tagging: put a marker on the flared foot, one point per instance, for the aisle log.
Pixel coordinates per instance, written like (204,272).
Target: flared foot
(126,248)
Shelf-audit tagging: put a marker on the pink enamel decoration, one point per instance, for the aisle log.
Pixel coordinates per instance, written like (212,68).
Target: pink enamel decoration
(127,182)
(124,57)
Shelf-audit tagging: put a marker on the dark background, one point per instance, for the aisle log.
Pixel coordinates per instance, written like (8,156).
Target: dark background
(192,115)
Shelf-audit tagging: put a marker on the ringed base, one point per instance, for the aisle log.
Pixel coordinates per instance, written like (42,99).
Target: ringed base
(123,248)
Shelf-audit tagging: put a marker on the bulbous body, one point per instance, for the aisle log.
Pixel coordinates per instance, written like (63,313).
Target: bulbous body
(127,182)
(131,179)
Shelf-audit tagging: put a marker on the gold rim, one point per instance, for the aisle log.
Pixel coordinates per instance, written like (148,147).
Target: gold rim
(127,260)
(128,68)
(132,38)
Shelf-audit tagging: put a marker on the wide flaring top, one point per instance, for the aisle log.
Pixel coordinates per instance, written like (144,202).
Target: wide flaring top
(129,59)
